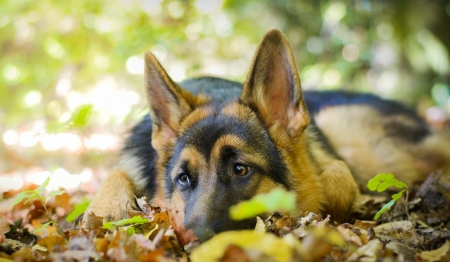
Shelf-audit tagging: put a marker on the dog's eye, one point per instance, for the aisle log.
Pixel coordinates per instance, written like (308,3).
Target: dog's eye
(183,178)
(241,169)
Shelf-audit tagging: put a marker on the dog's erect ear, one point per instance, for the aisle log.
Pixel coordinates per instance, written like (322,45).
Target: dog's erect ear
(273,86)
(168,102)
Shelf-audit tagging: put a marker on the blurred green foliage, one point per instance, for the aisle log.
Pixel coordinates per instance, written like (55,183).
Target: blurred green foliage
(81,61)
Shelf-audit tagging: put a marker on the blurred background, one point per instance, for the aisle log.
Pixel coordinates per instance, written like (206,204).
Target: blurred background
(71,82)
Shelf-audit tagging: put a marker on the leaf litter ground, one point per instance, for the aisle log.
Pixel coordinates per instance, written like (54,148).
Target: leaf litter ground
(414,230)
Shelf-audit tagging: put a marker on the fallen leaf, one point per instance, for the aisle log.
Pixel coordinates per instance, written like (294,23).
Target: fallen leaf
(55,243)
(268,244)
(18,232)
(4,228)
(402,249)
(440,254)
(349,235)
(365,224)
(314,248)
(260,226)
(388,227)
(76,255)
(93,221)
(63,201)
(10,246)
(234,253)
(369,250)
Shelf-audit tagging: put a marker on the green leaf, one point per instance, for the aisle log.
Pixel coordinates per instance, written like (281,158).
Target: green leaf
(40,190)
(395,197)
(42,227)
(78,210)
(136,220)
(29,194)
(81,116)
(276,200)
(55,193)
(131,231)
(386,207)
(56,127)
(382,181)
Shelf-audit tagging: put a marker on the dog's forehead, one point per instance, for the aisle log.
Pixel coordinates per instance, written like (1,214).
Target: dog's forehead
(216,128)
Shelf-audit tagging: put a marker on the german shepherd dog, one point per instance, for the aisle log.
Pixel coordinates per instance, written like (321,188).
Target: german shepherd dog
(209,143)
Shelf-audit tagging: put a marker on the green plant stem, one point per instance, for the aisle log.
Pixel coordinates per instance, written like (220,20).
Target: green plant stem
(54,222)
(406,205)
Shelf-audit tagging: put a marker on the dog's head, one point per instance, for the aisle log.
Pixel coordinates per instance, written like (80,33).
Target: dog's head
(215,154)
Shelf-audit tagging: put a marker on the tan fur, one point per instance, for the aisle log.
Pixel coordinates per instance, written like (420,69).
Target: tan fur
(199,165)
(340,190)
(197,115)
(113,198)
(266,185)
(309,190)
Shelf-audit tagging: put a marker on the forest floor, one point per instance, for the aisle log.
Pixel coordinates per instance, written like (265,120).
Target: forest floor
(413,230)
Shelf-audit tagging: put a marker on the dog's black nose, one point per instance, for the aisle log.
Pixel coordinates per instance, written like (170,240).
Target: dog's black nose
(203,233)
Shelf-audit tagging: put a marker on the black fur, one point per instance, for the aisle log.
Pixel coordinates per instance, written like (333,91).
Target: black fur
(217,88)
(139,144)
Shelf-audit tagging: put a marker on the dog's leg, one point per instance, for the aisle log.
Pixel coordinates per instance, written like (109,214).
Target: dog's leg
(340,189)
(111,200)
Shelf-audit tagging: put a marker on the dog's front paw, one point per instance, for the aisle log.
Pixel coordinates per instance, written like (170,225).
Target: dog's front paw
(114,197)
(95,216)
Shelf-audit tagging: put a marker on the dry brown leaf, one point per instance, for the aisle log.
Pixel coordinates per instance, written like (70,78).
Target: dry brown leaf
(268,244)
(234,253)
(440,254)
(48,231)
(4,228)
(53,243)
(260,226)
(76,255)
(393,226)
(402,249)
(23,254)
(314,248)
(369,250)
(63,202)
(365,224)
(350,235)
(143,205)
(93,221)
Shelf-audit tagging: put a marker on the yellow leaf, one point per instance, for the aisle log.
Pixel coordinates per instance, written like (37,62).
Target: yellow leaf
(268,244)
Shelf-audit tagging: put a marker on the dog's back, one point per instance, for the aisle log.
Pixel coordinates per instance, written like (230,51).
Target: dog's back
(374,135)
